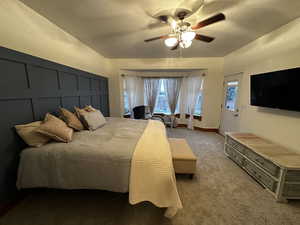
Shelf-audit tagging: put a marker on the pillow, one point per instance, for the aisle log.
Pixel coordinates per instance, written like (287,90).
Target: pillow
(56,129)
(71,119)
(93,120)
(89,108)
(29,135)
(79,112)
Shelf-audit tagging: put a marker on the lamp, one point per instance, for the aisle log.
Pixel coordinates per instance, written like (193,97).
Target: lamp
(188,35)
(185,44)
(171,42)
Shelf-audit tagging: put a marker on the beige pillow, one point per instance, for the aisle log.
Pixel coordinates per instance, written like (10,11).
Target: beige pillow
(56,129)
(71,119)
(93,120)
(28,133)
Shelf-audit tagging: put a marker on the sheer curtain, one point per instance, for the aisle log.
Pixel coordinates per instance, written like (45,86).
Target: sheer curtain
(151,90)
(190,91)
(135,91)
(172,87)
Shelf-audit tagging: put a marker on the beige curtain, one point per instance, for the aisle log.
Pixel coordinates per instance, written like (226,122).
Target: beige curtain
(172,86)
(151,86)
(134,86)
(190,90)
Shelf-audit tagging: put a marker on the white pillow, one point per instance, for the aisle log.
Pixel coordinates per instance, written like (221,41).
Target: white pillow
(93,120)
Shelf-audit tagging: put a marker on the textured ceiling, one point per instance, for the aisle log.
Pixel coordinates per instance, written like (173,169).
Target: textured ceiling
(117,28)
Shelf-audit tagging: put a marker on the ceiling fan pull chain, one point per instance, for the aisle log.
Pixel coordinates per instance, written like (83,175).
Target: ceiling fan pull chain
(180,53)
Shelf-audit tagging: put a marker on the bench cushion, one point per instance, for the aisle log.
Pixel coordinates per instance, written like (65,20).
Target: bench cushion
(184,160)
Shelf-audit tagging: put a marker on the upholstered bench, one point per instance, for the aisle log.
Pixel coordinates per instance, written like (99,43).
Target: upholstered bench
(184,160)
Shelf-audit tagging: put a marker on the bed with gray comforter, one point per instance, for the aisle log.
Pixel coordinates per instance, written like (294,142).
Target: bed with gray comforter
(98,159)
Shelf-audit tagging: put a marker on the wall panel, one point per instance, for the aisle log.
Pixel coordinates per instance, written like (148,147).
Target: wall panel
(68,82)
(70,102)
(29,88)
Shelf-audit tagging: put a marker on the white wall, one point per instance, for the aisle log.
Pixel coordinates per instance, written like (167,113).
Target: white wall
(24,30)
(212,89)
(277,50)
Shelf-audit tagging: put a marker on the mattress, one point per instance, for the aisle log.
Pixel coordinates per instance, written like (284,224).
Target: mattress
(97,159)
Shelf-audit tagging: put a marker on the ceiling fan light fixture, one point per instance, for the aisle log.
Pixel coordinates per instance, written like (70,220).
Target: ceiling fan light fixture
(188,36)
(185,44)
(171,42)
(174,25)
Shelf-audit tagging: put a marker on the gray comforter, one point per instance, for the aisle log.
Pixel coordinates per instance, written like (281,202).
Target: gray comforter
(98,159)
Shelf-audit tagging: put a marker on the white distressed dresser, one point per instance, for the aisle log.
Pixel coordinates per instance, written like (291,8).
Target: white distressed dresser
(274,167)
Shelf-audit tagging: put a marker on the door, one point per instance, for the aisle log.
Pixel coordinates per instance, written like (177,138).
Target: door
(231,104)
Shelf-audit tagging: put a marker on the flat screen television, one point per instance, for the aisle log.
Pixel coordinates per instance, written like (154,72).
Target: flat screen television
(279,89)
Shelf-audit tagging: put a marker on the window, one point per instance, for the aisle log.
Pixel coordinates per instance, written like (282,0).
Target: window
(126,101)
(198,106)
(231,95)
(162,105)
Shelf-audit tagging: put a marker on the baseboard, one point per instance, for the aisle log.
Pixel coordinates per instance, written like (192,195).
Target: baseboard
(201,128)
(181,125)
(207,129)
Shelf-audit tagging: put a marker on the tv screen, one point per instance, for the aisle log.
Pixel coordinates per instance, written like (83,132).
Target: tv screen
(279,89)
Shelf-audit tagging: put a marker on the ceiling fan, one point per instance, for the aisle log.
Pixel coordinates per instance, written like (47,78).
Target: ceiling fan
(183,33)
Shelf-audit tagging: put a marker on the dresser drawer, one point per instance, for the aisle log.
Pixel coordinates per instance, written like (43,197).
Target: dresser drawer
(260,176)
(234,144)
(264,163)
(234,155)
(292,176)
(291,190)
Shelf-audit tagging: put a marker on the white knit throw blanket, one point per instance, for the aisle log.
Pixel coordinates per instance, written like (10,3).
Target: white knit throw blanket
(152,175)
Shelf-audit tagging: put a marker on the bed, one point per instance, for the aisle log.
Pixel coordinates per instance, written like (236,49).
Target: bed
(116,157)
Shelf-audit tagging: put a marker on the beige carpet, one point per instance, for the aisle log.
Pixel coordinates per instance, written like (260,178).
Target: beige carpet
(220,193)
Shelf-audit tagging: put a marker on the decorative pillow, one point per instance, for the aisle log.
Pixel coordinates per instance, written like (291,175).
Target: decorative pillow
(93,120)
(56,129)
(79,112)
(71,119)
(89,108)
(28,133)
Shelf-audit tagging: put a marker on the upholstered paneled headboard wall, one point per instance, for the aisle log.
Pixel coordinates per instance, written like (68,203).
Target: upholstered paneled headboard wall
(29,88)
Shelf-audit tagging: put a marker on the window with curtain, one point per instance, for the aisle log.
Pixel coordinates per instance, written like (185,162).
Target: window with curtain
(162,105)
(126,100)
(198,106)
(133,86)
(126,103)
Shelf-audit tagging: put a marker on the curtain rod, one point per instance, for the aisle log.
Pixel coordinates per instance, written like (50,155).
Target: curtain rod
(159,77)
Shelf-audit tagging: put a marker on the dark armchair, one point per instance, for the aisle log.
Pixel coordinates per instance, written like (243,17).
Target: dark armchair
(139,112)
(142,112)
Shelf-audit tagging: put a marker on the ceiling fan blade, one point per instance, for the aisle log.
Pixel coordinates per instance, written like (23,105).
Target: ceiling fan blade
(204,38)
(175,47)
(156,38)
(211,20)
